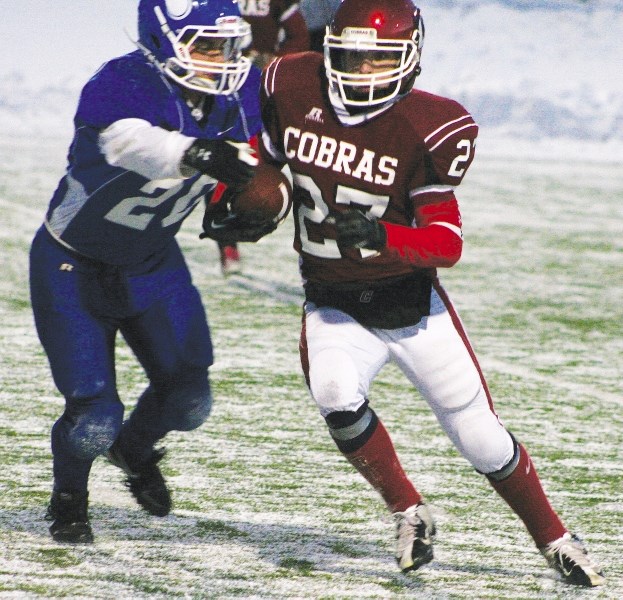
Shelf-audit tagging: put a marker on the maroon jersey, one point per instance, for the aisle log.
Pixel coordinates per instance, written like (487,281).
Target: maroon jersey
(267,18)
(400,166)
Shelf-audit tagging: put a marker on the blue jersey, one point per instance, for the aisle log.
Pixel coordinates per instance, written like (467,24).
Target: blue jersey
(114,214)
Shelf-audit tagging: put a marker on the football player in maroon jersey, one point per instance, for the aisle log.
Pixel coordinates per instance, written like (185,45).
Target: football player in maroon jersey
(277,28)
(375,164)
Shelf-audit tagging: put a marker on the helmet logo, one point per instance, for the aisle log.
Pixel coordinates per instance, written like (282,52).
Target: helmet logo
(377,20)
(178,9)
(364,34)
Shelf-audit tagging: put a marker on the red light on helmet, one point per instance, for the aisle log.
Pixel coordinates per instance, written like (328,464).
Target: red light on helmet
(377,20)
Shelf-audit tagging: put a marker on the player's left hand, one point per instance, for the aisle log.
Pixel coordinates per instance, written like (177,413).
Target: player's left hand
(222,225)
(357,230)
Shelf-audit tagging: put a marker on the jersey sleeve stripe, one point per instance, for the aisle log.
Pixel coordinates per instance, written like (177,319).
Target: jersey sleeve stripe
(271,73)
(443,139)
(450,226)
(288,13)
(448,124)
(431,189)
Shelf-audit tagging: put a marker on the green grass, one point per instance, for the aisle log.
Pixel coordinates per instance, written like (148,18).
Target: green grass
(264,505)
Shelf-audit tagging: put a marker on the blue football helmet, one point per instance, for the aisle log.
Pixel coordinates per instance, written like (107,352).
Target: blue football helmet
(170,30)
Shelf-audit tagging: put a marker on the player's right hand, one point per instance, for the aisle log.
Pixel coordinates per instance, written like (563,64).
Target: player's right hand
(234,230)
(222,225)
(228,161)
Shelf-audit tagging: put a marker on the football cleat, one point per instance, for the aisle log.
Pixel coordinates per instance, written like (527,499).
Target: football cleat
(144,480)
(415,530)
(230,260)
(68,512)
(569,557)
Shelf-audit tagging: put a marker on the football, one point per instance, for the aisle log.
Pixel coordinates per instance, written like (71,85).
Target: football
(267,198)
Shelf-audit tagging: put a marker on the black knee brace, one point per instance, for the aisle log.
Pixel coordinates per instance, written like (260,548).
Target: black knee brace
(349,429)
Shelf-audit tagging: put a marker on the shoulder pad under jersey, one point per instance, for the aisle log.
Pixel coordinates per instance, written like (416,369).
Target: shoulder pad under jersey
(125,87)
(448,133)
(291,71)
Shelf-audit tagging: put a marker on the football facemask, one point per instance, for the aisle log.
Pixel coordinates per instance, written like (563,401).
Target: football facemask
(367,71)
(201,48)
(372,51)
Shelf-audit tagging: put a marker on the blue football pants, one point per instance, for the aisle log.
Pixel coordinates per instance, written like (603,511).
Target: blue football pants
(79,306)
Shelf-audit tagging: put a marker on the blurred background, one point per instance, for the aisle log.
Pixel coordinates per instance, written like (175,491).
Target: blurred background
(540,76)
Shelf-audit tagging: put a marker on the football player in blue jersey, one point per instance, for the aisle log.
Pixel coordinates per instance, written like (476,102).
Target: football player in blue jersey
(154,132)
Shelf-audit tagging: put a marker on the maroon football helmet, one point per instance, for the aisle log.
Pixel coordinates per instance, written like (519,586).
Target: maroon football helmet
(372,50)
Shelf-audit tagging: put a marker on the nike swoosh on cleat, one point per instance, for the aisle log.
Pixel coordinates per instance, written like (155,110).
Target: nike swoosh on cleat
(215,225)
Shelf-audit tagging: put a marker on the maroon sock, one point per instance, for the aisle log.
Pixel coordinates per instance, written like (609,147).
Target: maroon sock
(377,461)
(524,493)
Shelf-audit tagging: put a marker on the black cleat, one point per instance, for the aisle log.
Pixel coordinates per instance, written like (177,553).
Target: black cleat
(145,481)
(69,513)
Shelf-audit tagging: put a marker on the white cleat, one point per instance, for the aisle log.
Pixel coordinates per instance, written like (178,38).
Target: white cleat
(569,557)
(415,530)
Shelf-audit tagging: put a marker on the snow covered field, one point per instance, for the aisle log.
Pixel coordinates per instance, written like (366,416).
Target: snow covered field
(264,506)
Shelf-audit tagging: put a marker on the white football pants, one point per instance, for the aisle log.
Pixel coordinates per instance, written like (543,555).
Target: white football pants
(344,357)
